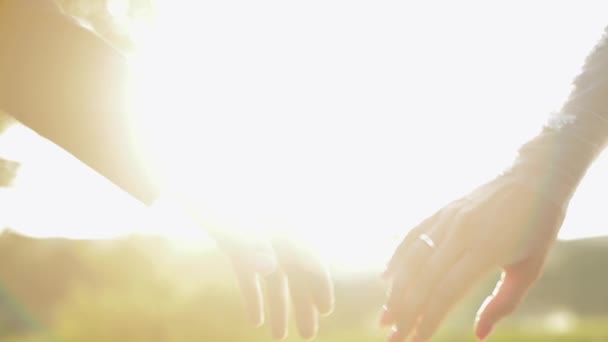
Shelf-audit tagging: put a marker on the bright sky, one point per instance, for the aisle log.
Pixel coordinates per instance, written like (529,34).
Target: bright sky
(352,120)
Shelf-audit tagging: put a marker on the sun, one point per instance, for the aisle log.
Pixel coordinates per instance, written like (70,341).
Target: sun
(235,157)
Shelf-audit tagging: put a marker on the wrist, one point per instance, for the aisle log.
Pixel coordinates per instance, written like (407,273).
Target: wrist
(556,160)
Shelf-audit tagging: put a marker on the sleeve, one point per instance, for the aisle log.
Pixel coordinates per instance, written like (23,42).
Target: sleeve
(556,160)
(71,87)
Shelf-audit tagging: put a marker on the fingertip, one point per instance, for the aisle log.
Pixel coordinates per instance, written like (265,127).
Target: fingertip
(309,335)
(309,327)
(483,331)
(326,311)
(326,307)
(483,327)
(310,338)
(323,296)
(315,331)
(255,317)
(256,321)
(279,334)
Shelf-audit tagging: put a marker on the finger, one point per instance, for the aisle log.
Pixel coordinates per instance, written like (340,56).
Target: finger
(403,249)
(403,280)
(439,263)
(278,304)
(306,314)
(449,291)
(308,284)
(321,288)
(406,321)
(407,306)
(323,292)
(508,294)
(303,264)
(252,294)
(413,263)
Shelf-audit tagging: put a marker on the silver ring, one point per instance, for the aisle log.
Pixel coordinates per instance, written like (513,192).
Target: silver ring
(427,240)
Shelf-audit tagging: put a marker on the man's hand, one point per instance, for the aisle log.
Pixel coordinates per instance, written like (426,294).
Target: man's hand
(286,270)
(501,224)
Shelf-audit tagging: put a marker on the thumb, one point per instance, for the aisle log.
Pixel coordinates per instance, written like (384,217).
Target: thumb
(510,290)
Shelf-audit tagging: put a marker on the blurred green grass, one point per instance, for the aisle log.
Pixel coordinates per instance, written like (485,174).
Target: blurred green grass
(592,332)
(145,289)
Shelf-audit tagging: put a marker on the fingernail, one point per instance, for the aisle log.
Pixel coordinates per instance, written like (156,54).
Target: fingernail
(387,318)
(484,332)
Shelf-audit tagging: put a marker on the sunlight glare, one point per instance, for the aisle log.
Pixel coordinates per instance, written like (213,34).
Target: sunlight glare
(348,129)
(346,122)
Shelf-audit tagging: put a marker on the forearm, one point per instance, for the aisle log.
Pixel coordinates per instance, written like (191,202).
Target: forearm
(70,86)
(560,155)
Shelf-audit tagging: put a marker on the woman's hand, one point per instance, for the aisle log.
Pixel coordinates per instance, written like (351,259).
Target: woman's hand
(501,224)
(287,271)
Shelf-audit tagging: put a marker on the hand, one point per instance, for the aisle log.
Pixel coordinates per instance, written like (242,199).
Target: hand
(286,267)
(501,224)
(287,270)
